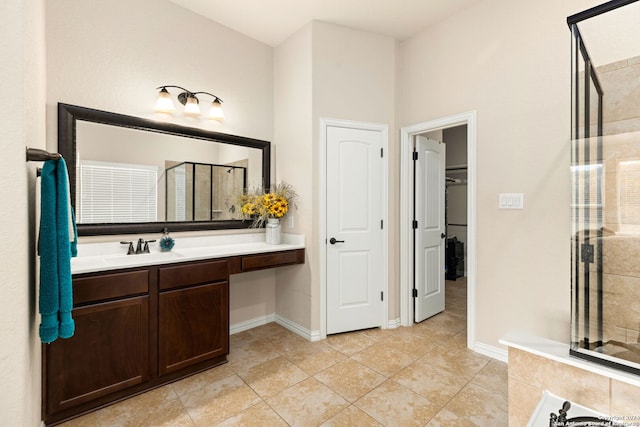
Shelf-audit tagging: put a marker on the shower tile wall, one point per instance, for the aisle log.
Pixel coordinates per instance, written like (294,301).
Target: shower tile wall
(227,185)
(621,172)
(202,192)
(621,241)
(621,83)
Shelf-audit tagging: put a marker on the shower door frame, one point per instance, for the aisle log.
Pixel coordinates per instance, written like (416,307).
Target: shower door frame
(582,249)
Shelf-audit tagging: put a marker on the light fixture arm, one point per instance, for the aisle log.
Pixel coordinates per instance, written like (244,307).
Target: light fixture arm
(186,93)
(210,94)
(189,100)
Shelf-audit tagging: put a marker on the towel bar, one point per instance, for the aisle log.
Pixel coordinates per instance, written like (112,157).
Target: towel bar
(38,155)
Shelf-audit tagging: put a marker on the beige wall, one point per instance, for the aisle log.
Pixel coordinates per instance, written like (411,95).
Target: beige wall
(354,78)
(294,163)
(112,56)
(509,61)
(329,71)
(22,121)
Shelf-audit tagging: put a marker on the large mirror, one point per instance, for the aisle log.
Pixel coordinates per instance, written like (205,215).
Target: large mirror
(133,175)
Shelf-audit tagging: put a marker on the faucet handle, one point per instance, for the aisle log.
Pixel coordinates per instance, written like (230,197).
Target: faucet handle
(146,246)
(130,251)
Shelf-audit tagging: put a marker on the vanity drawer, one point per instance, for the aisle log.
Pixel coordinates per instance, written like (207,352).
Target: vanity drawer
(109,286)
(273,259)
(192,274)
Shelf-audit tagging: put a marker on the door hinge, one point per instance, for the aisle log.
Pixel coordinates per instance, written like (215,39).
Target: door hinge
(381,296)
(382,152)
(415,155)
(382,224)
(415,224)
(415,293)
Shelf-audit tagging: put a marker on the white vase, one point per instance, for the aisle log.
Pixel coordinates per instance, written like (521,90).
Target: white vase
(272,231)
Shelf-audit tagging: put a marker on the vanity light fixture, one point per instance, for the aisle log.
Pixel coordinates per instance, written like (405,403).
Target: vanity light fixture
(164,104)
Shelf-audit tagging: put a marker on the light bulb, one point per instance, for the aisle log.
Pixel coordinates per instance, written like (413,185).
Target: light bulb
(216,112)
(164,104)
(191,106)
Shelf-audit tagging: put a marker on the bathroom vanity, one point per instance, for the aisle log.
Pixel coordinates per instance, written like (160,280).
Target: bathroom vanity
(146,320)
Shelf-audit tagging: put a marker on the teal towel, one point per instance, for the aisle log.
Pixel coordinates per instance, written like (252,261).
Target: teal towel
(56,247)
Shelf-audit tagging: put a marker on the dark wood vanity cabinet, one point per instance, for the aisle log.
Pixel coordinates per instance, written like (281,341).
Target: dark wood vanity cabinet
(109,351)
(140,328)
(194,314)
(270,260)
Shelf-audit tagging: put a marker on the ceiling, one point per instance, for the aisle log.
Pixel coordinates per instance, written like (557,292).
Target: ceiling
(273,21)
(607,36)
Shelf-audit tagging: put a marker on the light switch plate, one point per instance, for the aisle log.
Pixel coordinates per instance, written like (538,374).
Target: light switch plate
(511,201)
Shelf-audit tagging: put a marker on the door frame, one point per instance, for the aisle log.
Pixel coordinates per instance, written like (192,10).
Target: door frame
(322,198)
(407,134)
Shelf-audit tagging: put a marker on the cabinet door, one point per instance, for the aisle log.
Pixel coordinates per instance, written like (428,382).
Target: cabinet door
(194,325)
(108,352)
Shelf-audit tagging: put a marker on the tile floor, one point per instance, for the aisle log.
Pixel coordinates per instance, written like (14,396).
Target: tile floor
(417,376)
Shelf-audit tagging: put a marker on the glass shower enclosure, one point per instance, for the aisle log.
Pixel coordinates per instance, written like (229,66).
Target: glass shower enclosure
(203,191)
(605,185)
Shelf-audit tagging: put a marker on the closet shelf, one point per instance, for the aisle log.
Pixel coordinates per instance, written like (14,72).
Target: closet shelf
(461,168)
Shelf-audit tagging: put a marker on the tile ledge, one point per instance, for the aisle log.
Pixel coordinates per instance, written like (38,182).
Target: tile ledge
(559,352)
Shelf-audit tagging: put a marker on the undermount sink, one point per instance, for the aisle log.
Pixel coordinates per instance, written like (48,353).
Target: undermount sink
(142,258)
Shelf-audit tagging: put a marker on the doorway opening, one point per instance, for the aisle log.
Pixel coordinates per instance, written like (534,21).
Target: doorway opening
(452,126)
(440,197)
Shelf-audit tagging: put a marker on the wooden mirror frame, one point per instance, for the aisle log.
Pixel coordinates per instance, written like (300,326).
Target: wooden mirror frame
(69,114)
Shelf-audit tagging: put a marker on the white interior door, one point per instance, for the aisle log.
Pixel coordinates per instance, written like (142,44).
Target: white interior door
(354,229)
(429,229)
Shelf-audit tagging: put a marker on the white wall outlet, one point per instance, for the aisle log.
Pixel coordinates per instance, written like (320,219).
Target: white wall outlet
(511,201)
(291,222)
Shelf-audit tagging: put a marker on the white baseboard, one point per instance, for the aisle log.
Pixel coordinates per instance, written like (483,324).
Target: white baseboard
(252,323)
(394,323)
(286,323)
(497,353)
(297,329)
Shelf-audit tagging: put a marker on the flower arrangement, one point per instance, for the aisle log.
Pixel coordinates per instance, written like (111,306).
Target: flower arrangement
(261,206)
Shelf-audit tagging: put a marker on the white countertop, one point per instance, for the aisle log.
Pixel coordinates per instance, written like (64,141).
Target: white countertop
(94,257)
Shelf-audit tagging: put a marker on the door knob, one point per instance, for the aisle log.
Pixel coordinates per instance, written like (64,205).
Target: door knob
(442,236)
(333,241)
